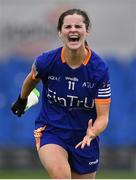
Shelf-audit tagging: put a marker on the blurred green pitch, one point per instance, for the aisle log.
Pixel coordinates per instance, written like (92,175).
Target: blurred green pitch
(41,174)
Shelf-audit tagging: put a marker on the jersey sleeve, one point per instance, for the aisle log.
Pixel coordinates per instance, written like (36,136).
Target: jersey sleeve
(40,67)
(103,95)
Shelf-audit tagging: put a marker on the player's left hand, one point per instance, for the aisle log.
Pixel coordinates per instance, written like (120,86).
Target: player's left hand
(18,107)
(88,137)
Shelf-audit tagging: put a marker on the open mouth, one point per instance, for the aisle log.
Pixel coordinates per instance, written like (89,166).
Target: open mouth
(73,38)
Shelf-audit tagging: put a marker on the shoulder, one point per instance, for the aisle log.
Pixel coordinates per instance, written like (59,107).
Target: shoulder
(44,62)
(97,63)
(98,66)
(49,55)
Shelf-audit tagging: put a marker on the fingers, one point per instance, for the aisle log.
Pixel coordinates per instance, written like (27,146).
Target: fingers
(90,123)
(88,138)
(79,144)
(88,142)
(85,142)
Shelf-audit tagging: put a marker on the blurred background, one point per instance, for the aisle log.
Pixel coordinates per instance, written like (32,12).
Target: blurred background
(27,28)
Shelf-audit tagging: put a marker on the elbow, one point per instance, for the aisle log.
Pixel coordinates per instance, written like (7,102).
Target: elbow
(106,121)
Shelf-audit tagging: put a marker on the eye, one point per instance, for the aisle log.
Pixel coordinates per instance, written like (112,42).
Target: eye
(67,26)
(78,26)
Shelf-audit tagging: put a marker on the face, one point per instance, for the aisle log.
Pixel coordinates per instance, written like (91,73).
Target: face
(73,32)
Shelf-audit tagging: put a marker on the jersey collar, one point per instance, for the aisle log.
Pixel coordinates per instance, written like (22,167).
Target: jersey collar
(86,60)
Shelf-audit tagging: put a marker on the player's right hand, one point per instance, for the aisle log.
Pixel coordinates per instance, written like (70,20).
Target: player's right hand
(18,107)
(90,135)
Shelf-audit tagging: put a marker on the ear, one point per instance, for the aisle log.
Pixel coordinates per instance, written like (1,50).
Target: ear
(59,33)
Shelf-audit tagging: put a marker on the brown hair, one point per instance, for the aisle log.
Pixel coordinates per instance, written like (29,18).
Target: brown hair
(71,12)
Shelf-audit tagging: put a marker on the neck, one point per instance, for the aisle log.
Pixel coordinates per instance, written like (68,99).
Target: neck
(74,58)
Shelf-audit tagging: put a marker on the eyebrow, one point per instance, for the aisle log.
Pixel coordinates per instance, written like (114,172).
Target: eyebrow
(72,25)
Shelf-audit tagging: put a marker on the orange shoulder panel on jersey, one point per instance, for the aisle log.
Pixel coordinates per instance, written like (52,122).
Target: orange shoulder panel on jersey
(88,56)
(103,101)
(62,55)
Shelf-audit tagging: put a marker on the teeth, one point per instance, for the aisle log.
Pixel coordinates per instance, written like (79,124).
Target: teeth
(73,36)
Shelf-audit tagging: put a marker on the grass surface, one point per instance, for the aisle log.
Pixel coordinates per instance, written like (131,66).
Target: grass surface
(40,174)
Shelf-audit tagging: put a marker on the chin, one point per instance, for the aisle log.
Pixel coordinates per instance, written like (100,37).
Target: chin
(74,46)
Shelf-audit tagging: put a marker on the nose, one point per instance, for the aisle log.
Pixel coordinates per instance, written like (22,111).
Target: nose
(73,28)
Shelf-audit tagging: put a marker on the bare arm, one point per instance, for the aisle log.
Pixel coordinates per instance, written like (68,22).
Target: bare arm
(99,125)
(18,107)
(101,122)
(28,85)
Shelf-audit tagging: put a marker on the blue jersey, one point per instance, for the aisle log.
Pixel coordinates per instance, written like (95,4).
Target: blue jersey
(69,95)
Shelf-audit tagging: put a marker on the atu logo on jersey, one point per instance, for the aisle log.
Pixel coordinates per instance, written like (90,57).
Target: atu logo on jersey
(88,84)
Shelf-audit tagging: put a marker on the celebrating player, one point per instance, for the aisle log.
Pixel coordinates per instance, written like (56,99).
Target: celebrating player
(75,101)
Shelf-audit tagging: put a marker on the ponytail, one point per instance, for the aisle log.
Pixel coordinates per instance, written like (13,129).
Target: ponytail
(86,43)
